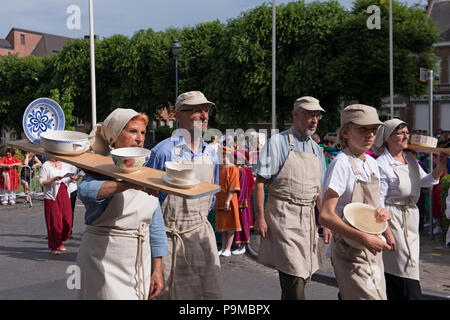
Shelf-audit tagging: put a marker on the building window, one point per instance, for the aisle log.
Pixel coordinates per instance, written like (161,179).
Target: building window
(448,69)
(439,72)
(445,117)
(22,38)
(154,124)
(162,123)
(170,123)
(422,117)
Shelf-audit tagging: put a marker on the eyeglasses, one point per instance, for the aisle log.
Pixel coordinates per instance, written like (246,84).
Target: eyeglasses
(403,133)
(196,111)
(311,115)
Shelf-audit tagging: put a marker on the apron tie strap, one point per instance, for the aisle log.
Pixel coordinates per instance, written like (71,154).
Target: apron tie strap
(177,235)
(373,274)
(405,233)
(140,235)
(312,235)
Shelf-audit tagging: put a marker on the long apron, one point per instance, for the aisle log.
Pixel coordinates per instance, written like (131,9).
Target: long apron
(359,273)
(192,268)
(114,255)
(291,243)
(401,203)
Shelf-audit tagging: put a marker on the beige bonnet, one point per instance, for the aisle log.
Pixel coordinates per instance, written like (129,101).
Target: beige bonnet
(105,133)
(383,134)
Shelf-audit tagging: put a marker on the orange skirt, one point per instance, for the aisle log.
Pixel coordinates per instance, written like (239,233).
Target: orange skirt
(227,220)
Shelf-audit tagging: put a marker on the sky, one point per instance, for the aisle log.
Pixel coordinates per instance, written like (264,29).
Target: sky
(119,16)
(122,17)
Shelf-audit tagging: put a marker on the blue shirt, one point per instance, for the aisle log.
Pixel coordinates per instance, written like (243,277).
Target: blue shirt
(88,190)
(165,151)
(276,150)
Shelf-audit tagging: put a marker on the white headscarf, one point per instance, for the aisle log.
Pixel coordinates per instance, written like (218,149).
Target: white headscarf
(105,133)
(383,134)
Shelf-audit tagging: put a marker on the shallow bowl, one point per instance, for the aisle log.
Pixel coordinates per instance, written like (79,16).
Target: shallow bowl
(180,172)
(362,217)
(64,142)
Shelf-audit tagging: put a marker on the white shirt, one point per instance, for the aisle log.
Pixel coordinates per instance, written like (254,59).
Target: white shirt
(389,180)
(76,172)
(340,177)
(48,171)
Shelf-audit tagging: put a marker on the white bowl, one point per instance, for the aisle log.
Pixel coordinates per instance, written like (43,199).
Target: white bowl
(179,172)
(362,217)
(65,142)
(130,159)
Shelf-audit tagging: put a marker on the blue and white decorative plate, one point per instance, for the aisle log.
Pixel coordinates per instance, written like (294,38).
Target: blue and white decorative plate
(41,115)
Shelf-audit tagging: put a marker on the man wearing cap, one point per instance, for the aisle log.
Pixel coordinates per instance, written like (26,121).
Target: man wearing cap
(192,268)
(292,165)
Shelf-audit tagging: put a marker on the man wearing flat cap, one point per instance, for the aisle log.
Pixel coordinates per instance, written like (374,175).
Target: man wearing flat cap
(192,268)
(292,165)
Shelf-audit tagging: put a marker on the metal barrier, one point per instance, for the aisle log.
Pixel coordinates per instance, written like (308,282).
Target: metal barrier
(34,186)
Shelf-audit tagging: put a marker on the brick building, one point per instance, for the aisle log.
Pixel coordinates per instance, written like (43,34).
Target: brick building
(31,43)
(415,110)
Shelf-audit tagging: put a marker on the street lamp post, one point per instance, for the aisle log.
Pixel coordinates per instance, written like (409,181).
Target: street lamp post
(92,52)
(274,65)
(176,50)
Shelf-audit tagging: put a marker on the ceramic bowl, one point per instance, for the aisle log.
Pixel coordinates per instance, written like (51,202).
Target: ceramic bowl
(64,142)
(130,159)
(179,172)
(362,217)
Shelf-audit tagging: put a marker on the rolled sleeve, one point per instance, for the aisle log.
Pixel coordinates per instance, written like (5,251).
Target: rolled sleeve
(87,192)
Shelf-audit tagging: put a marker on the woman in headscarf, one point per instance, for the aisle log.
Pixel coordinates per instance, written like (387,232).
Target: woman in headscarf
(114,255)
(401,178)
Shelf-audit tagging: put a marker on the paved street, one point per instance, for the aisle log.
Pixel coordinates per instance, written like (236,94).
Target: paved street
(30,272)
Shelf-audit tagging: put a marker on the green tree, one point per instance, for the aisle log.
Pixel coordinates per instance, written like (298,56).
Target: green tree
(19,81)
(361,69)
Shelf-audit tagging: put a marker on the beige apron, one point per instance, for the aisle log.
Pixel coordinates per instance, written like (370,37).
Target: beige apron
(401,203)
(359,273)
(291,243)
(192,268)
(114,255)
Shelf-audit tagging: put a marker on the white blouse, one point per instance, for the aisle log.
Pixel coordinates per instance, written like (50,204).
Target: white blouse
(340,177)
(389,180)
(47,172)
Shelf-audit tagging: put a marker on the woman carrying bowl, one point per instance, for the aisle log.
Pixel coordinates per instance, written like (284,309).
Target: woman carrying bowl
(353,176)
(116,257)
(401,178)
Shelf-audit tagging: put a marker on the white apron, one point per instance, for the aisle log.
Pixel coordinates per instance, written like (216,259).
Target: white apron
(359,273)
(114,255)
(291,243)
(192,268)
(401,203)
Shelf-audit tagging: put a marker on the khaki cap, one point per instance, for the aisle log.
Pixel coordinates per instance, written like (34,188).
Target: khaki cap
(307,103)
(360,114)
(192,98)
